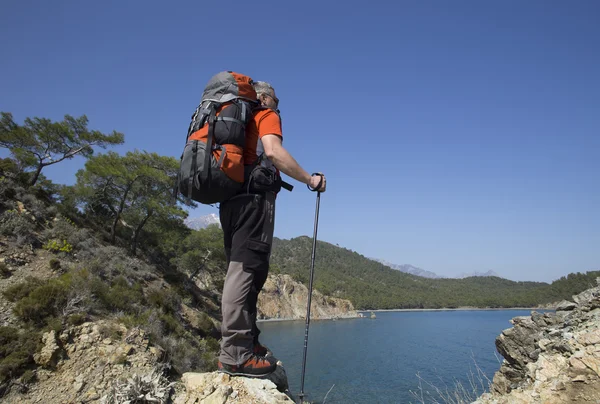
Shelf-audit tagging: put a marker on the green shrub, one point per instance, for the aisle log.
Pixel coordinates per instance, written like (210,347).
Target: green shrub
(28,377)
(44,301)
(136,320)
(16,352)
(77,318)
(205,324)
(111,331)
(171,326)
(55,245)
(187,354)
(53,324)
(39,302)
(120,296)
(164,299)
(54,264)
(23,289)
(4,271)
(63,228)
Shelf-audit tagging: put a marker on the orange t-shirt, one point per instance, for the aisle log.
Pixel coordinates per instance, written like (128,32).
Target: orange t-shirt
(265,122)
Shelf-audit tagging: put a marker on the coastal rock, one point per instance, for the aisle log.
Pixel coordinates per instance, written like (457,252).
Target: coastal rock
(284,298)
(550,358)
(585,297)
(566,305)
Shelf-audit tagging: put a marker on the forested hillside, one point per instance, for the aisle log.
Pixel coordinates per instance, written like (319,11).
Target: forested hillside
(368,284)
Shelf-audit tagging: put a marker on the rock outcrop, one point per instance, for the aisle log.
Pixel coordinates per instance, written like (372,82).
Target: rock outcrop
(210,388)
(552,357)
(95,362)
(104,362)
(283,298)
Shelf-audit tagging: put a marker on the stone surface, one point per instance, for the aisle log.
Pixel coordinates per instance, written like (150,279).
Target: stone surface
(284,298)
(49,355)
(566,305)
(551,358)
(82,375)
(211,388)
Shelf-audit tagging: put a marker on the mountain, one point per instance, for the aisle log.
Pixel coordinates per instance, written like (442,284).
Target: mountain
(469,274)
(202,222)
(409,269)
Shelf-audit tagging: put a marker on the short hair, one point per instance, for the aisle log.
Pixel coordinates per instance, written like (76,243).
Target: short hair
(262,87)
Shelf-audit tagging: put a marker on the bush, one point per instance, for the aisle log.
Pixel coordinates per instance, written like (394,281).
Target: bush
(77,319)
(205,324)
(111,331)
(23,289)
(12,223)
(36,207)
(165,299)
(16,352)
(63,228)
(54,264)
(199,355)
(120,296)
(28,377)
(185,351)
(109,262)
(4,271)
(55,245)
(45,301)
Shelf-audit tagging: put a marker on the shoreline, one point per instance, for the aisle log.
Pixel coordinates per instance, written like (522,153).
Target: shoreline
(401,310)
(460,309)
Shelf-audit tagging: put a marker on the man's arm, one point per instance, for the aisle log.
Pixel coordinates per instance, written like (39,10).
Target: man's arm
(284,161)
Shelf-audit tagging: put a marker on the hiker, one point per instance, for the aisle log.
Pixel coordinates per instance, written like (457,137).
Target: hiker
(248,222)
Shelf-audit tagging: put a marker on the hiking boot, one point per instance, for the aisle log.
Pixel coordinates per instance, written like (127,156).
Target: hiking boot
(261,350)
(255,366)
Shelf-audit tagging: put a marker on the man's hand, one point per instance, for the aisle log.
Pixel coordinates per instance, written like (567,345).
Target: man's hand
(315,179)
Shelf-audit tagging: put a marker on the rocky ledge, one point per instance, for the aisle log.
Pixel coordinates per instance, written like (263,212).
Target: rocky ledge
(285,299)
(213,388)
(551,357)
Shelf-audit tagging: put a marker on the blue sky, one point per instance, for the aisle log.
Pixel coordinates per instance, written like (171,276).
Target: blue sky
(456,136)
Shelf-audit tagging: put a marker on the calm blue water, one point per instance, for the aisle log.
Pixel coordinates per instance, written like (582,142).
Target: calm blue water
(377,360)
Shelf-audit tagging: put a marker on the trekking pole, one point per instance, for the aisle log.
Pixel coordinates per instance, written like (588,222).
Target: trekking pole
(310,286)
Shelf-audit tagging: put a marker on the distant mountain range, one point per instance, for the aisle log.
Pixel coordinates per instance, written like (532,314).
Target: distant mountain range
(202,222)
(410,269)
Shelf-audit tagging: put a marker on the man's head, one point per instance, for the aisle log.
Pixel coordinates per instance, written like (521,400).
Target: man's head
(266,94)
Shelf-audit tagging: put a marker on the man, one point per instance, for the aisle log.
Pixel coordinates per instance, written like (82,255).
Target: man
(248,222)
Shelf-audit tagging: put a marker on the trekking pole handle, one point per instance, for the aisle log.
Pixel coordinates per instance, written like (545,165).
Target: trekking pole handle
(320,182)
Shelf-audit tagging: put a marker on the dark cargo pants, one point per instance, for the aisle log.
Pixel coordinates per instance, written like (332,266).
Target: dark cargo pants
(248,222)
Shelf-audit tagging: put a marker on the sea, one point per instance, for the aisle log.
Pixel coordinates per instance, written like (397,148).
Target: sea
(445,356)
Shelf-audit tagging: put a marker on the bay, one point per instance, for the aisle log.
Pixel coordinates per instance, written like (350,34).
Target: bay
(385,360)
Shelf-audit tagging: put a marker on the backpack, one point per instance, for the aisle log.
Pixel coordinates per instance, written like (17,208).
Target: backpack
(212,163)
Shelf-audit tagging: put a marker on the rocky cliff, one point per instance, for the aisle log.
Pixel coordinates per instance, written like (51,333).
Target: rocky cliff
(552,357)
(283,298)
